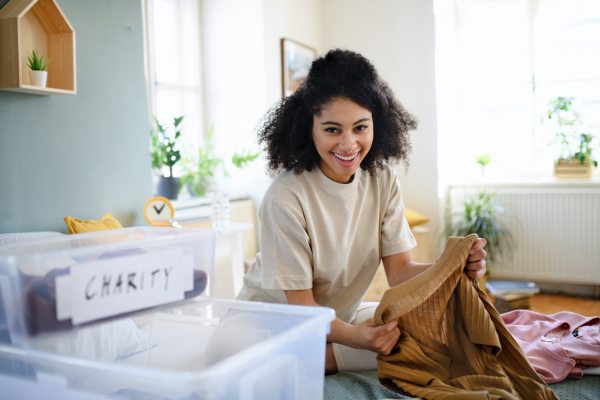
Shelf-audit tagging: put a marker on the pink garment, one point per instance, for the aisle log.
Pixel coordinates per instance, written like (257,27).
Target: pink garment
(558,345)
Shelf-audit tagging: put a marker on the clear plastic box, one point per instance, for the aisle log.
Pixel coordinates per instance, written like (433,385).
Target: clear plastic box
(68,282)
(223,350)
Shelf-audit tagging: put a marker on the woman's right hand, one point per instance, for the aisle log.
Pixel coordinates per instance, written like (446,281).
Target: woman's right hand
(381,339)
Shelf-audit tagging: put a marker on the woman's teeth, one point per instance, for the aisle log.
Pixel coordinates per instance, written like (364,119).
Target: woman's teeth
(350,158)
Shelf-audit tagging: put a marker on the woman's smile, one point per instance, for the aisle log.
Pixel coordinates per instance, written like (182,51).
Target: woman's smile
(346,160)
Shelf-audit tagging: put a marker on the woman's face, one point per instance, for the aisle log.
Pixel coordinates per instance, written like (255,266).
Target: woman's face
(343,135)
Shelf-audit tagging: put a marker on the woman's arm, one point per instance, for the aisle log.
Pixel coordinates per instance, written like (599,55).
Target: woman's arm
(381,339)
(399,268)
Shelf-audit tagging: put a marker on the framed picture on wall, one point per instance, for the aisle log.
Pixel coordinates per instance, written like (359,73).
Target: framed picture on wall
(295,62)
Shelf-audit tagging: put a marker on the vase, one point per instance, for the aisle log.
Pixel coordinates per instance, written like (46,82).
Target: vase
(167,186)
(38,78)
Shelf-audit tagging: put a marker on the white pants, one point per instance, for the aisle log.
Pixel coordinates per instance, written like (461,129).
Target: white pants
(349,359)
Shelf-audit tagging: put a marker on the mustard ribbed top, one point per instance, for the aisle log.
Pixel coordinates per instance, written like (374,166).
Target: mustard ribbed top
(453,343)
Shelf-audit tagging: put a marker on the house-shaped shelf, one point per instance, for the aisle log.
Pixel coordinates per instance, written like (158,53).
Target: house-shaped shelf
(26,25)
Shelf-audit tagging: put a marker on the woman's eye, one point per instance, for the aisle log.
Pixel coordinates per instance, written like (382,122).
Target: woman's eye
(331,130)
(361,127)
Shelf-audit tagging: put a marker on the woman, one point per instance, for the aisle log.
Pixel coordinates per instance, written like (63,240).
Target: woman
(335,209)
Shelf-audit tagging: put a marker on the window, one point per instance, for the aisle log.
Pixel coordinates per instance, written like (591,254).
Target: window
(498,63)
(174,65)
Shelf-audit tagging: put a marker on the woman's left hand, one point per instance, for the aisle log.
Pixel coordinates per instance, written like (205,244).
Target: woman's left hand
(476,261)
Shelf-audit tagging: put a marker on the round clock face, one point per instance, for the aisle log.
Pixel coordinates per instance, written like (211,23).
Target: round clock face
(158,209)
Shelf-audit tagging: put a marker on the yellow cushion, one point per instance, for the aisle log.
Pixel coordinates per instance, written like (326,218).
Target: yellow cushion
(414,218)
(103,224)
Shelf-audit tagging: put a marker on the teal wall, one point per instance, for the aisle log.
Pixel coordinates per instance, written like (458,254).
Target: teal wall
(87,154)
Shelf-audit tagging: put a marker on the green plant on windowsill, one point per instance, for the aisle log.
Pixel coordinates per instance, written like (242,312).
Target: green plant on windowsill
(574,144)
(241,160)
(162,145)
(483,160)
(199,169)
(479,214)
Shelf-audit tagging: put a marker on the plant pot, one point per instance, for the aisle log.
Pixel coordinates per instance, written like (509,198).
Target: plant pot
(38,78)
(572,168)
(167,186)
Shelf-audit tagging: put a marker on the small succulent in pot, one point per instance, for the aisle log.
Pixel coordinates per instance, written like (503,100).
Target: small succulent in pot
(38,74)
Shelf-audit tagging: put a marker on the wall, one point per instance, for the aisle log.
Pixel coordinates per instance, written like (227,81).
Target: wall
(87,154)
(398,37)
(300,20)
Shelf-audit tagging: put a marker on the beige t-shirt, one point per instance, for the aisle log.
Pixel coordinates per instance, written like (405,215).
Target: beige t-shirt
(328,236)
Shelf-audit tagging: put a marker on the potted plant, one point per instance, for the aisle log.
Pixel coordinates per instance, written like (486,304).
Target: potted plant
(199,169)
(576,159)
(38,74)
(483,160)
(479,214)
(163,139)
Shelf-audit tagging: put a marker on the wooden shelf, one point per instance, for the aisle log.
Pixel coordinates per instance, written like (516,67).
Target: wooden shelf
(26,25)
(39,90)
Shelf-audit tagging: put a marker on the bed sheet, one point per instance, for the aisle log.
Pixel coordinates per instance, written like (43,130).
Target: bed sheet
(365,386)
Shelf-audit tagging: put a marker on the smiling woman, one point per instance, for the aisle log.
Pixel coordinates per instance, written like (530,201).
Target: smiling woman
(335,210)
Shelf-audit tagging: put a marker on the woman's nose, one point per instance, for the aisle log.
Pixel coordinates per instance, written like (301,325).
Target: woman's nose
(347,142)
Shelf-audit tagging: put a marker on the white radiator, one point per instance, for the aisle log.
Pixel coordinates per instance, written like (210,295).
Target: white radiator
(556,229)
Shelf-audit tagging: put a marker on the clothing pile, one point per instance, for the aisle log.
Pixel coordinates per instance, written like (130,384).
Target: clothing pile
(453,343)
(558,346)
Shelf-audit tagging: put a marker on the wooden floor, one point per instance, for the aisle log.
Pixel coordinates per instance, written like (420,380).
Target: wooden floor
(551,304)
(541,303)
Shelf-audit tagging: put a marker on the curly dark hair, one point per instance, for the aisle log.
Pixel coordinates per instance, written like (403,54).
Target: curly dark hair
(285,132)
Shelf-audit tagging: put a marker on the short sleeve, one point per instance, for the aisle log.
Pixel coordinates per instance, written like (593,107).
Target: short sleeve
(396,236)
(286,256)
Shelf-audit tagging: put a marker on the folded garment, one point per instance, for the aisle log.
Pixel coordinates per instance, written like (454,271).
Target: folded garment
(453,342)
(558,346)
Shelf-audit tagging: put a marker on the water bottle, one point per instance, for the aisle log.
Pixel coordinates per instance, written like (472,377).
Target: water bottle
(220,210)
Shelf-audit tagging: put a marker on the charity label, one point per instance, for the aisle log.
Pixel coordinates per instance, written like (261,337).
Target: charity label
(109,287)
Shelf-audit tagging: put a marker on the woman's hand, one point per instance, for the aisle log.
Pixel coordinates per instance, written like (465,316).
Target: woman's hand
(476,261)
(381,339)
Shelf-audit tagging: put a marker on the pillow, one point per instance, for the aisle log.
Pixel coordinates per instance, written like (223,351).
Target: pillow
(103,224)
(415,218)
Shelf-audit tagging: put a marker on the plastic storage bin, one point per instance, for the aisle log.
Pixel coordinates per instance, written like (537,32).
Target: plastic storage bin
(67,282)
(222,350)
